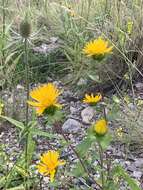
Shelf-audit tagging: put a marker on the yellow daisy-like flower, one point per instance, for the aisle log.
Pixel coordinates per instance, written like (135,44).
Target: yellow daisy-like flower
(98,47)
(101,127)
(46,97)
(48,164)
(91,99)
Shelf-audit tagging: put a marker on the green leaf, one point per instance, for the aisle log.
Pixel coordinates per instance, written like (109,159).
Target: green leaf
(105,140)
(16,123)
(21,171)
(30,148)
(15,170)
(20,187)
(2,181)
(58,116)
(78,171)
(39,132)
(94,77)
(84,146)
(113,114)
(120,172)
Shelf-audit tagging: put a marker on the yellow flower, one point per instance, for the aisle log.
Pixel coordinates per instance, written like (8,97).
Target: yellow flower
(72,13)
(120,132)
(91,99)
(101,127)
(46,98)
(98,47)
(48,164)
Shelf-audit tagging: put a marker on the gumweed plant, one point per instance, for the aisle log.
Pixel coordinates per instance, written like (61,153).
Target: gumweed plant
(49,163)
(97,49)
(96,52)
(91,99)
(46,98)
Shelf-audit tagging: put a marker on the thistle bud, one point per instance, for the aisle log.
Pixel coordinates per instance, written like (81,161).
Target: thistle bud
(25,29)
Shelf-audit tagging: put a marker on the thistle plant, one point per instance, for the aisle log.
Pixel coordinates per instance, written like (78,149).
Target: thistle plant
(25,29)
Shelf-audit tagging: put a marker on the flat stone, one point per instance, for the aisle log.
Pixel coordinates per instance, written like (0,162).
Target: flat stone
(87,115)
(139,86)
(73,110)
(20,87)
(71,126)
(139,163)
(137,174)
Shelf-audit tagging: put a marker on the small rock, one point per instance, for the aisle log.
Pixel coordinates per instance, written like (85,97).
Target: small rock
(10,100)
(73,110)
(82,82)
(139,86)
(20,87)
(54,39)
(87,115)
(137,174)
(71,126)
(131,168)
(139,163)
(46,179)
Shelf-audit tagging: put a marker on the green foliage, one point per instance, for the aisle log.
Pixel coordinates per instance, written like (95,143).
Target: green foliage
(57,117)
(120,172)
(78,171)
(84,146)
(18,170)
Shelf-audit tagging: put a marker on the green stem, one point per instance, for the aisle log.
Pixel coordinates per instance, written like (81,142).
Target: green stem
(27,78)
(101,165)
(27,107)
(80,160)
(3,29)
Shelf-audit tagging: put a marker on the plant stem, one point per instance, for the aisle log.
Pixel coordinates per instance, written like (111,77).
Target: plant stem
(80,160)
(3,26)
(27,107)
(3,32)
(27,78)
(101,164)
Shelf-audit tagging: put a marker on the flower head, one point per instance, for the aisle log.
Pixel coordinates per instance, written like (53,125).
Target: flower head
(91,99)
(48,164)
(101,127)
(25,29)
(97,48)
(119,132)
(45,98)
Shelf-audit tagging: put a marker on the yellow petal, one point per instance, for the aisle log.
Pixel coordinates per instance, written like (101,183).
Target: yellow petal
(40,110)
(42,169)
(35,104)
(61,162)
(52,175)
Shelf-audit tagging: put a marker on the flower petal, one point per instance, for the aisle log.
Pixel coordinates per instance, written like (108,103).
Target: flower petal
(52,175)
